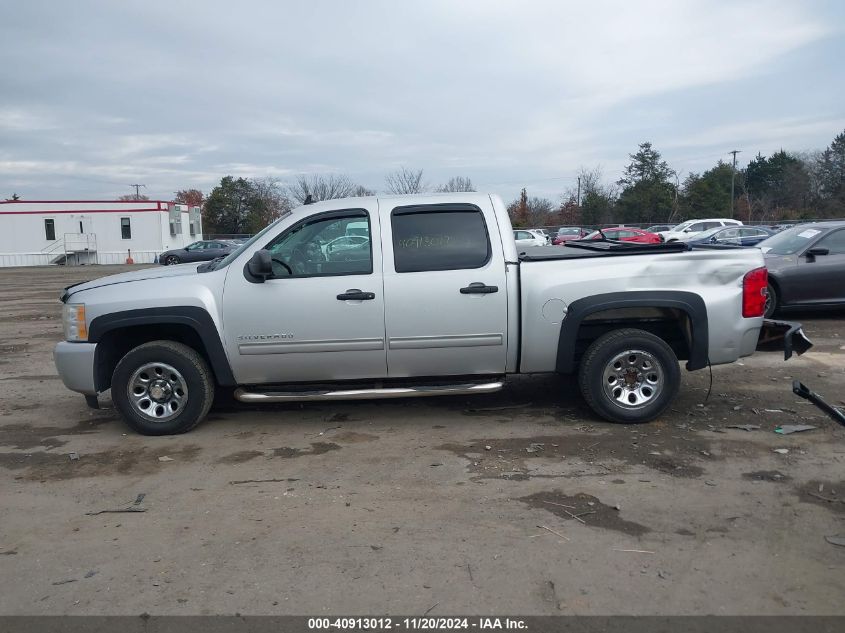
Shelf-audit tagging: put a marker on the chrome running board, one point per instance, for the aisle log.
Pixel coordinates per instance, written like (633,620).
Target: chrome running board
(366,394)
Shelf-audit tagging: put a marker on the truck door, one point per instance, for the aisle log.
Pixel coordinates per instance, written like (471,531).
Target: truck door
(320,317)
(444,289)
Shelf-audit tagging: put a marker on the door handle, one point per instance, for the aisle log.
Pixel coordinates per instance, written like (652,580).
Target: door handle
(353,294)
(478,288)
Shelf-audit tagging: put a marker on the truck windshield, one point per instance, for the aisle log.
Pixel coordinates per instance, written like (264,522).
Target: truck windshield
(217,264)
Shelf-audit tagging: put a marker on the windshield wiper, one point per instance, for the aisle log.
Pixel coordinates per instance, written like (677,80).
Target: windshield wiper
(211,265)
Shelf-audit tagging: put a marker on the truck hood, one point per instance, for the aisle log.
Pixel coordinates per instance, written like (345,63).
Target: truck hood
(137,275)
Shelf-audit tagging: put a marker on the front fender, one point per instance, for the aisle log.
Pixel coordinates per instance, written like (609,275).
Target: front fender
(196,318)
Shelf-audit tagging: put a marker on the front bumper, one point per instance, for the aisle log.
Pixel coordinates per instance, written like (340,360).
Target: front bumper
(785,336)
(75,364)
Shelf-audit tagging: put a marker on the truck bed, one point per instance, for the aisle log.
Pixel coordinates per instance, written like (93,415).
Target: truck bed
(597,248)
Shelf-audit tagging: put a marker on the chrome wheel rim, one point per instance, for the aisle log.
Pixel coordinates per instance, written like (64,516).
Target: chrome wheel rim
(157,391)
(171,261)
(632,379)
(768,309)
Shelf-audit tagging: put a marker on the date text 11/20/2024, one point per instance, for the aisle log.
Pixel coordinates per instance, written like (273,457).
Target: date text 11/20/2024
(416,623)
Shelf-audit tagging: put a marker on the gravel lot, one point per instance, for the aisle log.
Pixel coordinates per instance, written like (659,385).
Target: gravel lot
(452,505)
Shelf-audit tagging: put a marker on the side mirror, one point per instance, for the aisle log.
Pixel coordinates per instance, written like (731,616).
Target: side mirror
(813,252)
(714,239)
(260,266)
(186,248)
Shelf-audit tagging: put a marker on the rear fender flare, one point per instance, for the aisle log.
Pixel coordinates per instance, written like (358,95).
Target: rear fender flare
(688,302)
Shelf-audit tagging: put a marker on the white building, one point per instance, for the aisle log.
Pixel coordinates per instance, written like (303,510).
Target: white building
(40,232)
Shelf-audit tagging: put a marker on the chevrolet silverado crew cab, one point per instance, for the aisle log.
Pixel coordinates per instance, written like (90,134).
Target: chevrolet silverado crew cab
(388,297)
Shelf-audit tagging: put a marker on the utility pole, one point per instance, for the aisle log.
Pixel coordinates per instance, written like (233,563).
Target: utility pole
(733,177)
(137,192)
(579,192)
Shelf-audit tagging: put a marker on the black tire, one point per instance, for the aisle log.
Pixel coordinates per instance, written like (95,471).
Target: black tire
(192,371)
(172,260)
(606,397)
(771,302)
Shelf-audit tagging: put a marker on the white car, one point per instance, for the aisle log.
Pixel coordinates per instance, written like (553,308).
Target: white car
(526,238)
(690,228)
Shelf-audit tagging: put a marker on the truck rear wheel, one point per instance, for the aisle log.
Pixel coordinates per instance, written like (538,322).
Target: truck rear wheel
(162,388)
(629,376)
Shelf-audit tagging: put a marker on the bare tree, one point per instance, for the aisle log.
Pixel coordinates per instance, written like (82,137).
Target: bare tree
(360,191)
(455,184)
(322,188)
(268,199)
(405,181)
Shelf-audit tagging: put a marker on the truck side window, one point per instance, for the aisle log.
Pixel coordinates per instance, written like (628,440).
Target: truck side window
(324,245)
(439,237)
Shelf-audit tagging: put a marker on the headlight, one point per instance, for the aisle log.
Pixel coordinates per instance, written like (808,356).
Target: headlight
(73,320)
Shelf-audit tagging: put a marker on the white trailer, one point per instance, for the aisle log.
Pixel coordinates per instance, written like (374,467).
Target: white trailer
(42,232)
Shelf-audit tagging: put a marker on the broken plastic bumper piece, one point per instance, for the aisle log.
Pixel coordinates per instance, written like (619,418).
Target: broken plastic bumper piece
(785,336)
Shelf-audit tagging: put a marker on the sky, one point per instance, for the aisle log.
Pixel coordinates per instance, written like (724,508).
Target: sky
(95,96)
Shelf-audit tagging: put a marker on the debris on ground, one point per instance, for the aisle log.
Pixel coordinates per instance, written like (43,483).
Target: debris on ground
(786,429)
(165,458)
(743,427)
(139,498)
(780,451)
(545,527)
(839,540)
(64,582)
(802,391)
(260,481)
(73,456)
(502,408)
(91,574)
(130,509)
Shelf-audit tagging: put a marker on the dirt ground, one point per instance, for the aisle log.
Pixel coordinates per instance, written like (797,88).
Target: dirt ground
(454,505)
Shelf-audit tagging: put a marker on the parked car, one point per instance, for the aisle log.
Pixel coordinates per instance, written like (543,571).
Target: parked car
(806,267)
(527,238)
(689,229)
(566,233)
(659,228)
(732,236)
(625,234)
(439,301)
(202,251)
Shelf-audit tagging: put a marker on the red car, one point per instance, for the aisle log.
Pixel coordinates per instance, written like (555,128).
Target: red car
(626,234)
(566,233)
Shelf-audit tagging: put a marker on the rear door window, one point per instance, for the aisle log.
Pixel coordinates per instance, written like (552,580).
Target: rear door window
(440,237)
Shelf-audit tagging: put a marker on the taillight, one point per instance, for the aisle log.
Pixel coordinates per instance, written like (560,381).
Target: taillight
(754,292)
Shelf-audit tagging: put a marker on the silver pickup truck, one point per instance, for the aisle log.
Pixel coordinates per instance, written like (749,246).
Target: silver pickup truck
(389,297)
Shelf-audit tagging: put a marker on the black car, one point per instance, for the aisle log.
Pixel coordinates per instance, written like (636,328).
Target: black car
(806,267)
(202,251)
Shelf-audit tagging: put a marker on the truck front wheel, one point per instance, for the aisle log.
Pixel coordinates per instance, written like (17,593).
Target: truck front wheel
(162,388)
(629,376)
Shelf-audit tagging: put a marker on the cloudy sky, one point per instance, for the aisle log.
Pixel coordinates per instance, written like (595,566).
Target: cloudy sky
(95,96)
